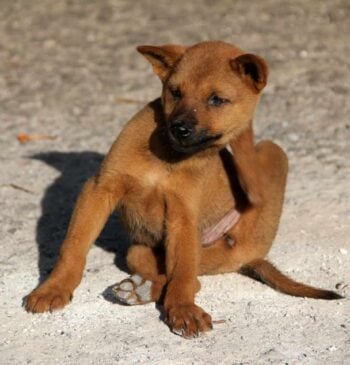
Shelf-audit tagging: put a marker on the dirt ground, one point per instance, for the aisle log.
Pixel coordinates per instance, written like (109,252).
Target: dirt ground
(64,67)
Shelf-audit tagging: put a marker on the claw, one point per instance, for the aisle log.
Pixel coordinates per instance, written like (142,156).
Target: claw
(178,331)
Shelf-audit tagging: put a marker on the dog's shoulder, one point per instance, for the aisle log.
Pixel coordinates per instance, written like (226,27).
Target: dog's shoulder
(131,149)
(150,116)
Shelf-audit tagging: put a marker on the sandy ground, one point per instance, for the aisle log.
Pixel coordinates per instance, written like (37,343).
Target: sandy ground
(64,64)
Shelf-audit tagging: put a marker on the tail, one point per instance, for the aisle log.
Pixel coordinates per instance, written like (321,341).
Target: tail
(265,272)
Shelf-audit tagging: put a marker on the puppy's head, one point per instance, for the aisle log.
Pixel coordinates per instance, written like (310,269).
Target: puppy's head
(210,92)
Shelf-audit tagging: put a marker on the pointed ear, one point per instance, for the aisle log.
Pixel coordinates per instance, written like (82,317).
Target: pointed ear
(252,69)
(163,58)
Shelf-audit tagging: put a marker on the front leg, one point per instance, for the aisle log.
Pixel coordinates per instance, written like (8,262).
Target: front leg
(94,205)
(182,265)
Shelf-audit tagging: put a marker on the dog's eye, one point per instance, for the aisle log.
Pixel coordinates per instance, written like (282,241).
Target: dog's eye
(215,100)
(176,94)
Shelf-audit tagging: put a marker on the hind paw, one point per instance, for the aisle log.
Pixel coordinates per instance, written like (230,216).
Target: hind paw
(133,290)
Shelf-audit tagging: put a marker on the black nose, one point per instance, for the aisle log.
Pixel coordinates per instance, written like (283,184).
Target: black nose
(181,130)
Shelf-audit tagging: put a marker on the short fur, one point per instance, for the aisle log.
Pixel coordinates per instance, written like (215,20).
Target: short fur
(171,178)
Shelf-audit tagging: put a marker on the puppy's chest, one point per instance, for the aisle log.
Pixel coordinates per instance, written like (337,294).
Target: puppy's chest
(143,207)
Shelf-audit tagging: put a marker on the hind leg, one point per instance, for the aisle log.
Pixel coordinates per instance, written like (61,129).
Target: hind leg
(148,279)
(254,233)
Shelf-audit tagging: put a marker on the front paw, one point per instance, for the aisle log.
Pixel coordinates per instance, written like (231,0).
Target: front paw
(189,320)
(47,299)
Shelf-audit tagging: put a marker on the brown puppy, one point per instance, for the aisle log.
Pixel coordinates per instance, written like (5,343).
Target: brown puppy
(177,187)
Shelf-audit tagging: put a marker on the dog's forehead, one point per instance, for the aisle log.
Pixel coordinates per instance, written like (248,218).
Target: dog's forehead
(211,48)
(206,61)
(210,54)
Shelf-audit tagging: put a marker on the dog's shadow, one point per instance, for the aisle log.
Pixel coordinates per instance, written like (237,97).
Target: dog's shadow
(58,203)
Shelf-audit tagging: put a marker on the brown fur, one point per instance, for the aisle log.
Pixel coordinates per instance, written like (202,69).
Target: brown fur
(167,196)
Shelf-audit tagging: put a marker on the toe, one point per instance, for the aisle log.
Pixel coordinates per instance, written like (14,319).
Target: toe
(189,321)
(126,286)
(48,299)
(133,290)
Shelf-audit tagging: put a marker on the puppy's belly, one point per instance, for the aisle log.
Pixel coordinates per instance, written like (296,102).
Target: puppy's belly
(216,231)
(143,214)
(153,233)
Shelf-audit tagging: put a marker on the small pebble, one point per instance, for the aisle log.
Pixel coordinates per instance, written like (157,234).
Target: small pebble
(293,137)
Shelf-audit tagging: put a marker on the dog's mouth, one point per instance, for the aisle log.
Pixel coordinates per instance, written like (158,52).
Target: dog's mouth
(199,142)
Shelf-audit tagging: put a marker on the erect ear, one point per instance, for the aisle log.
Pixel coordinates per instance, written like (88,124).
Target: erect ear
(163,58)
(252,69)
